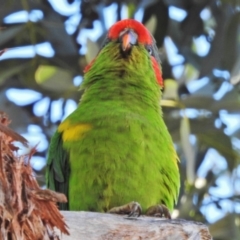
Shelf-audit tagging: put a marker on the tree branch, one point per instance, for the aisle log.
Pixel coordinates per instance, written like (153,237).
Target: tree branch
(102,226)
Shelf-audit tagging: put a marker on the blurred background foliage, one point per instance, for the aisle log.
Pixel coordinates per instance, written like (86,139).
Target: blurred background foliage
(44,52)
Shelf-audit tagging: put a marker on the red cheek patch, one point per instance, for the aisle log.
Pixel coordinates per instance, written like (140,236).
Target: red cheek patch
(86,69)
(157,71)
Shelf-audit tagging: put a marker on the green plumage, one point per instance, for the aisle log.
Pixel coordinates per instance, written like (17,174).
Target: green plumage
(128,154)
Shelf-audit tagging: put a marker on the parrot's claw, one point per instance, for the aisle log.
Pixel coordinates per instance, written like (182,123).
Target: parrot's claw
(159,210)
(133,209)
(136,209)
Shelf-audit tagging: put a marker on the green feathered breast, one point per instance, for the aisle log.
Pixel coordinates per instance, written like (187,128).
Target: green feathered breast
(115,148)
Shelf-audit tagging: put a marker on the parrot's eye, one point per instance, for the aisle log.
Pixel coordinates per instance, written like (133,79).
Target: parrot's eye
(150,50)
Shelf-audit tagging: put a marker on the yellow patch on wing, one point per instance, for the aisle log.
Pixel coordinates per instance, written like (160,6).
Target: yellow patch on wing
(73,132)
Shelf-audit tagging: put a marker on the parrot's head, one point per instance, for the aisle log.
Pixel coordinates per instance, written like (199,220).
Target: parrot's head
(129,34)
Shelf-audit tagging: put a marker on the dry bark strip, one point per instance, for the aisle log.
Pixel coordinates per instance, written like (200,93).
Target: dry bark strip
(27,212)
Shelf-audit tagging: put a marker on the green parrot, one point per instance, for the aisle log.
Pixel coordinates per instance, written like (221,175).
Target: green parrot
(115,149)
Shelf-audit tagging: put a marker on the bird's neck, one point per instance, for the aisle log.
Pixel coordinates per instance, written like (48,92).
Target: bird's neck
(115,79)
(118,93)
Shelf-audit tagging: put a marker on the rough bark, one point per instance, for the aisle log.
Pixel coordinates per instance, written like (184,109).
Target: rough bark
(101,226)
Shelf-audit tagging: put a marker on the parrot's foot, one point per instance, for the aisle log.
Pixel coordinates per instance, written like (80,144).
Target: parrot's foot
(159,210)
(133,209)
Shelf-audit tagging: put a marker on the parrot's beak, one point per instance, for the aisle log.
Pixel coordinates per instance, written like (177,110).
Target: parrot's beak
(128,39)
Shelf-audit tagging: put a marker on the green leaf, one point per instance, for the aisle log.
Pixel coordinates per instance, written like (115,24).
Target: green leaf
(212,137)
(92,51)
(10,33)
(198,101)
(6,73)
(235,73)
(187,149)
(231,48)
(230,102)
(53,78)
(170,89)
(190,73)
(216,139)
(43,73)
(151,24)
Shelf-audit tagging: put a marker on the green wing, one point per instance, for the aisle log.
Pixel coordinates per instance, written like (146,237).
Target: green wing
(58,169)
